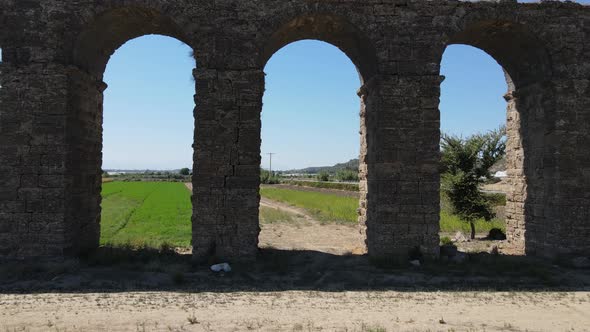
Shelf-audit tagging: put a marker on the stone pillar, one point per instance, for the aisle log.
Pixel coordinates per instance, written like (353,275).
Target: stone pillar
(402,176)
(564,228)
(33,104)
(226,171)
(363,93)
(531,164)
(517,190)
(84,161)
(572,131)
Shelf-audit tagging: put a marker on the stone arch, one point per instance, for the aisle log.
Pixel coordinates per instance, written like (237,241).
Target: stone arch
(100,39)
(338,31)
(527,67)
(95,44)
(515,47)
(329,28)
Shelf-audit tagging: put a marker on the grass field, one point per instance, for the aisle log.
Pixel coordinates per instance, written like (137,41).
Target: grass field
(156,213)
(324,207)
(327,207)
(450,223)
(145,213)
(271,215)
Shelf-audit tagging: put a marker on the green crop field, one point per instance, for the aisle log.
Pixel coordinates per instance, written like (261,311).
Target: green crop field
(145,214)
(156,213)
(328,207)
(324,207)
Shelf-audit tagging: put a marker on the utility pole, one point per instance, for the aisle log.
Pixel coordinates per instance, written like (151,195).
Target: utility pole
(270,155)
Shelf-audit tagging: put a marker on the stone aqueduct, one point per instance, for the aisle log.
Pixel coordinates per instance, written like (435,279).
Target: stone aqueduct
(51,99)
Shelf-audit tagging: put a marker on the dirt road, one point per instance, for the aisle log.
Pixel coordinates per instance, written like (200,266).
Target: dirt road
(306,233)
(297,311)
(320,290)
(285,207)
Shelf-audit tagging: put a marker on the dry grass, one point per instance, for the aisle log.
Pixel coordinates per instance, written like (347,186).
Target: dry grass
(270,215)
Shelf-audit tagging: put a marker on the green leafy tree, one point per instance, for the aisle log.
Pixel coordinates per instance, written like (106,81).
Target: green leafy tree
(466,165)
(347,175)
(267,178)
(185,171)
(323,176)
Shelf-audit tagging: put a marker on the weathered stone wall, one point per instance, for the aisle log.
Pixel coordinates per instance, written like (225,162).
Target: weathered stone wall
(33,104)
(55,53)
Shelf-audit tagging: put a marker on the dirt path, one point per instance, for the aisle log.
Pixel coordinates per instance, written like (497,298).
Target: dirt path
(287,208)
(331,239)
(297,311)
(306,233)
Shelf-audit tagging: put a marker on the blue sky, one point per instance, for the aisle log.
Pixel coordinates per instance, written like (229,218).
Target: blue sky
(310,114)
(148,105)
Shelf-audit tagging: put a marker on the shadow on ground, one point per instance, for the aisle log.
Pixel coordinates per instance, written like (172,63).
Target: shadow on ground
(124,269)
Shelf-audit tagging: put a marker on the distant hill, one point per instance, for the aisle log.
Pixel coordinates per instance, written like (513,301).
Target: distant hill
(353,164)
(350,165)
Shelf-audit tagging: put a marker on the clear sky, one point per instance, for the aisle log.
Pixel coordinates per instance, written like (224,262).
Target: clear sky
(148,105)
(310,115)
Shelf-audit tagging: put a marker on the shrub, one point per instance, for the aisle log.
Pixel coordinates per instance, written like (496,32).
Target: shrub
(267,178)
(347,175)
(323,176)
(496,199)
(446,241)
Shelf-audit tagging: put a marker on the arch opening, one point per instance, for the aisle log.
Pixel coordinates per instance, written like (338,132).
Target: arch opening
(148,132)
(312,86)
(112,31)
(473,110)
(526,67)
(331,29)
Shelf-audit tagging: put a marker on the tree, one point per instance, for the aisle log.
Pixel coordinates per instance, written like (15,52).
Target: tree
(267,178)
(466,165)
(323,176)
(185,171)
(347,175)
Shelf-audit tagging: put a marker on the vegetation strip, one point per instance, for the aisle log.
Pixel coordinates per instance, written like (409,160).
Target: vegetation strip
(327,185)
(146,214)
(330,207)
(158,213)
(324,207)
